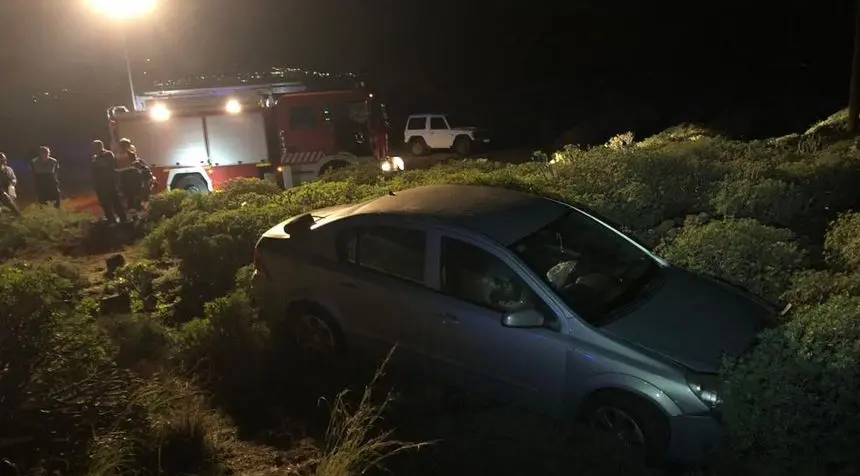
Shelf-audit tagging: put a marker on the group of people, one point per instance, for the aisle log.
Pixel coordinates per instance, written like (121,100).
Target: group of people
(132,179)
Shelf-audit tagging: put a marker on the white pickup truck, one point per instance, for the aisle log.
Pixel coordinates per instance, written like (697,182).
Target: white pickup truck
(425,132)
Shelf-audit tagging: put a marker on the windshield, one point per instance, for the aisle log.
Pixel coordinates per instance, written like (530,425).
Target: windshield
(593,268)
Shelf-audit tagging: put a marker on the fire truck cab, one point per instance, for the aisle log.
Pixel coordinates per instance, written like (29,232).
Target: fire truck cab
(198,139)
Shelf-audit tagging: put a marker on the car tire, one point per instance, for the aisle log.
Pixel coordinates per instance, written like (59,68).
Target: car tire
(629,417)
(314,334)
(463,146)
(418,147)
(191,184)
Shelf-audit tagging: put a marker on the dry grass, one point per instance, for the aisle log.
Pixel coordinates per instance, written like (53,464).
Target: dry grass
(354,441)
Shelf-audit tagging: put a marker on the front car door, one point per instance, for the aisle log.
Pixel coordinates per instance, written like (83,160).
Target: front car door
(477,286)
(440,134)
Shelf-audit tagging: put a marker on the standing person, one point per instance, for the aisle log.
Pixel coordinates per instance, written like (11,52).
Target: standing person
(136,179)
(8,180)
(46,175)
(104,166)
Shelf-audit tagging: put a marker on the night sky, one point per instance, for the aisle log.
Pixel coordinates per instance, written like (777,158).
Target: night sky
(459,53)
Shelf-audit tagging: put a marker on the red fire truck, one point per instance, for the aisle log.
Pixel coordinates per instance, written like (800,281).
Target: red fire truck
(197,139)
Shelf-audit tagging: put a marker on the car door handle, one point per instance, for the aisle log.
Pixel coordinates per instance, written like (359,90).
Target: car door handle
(448,318)
(347,284)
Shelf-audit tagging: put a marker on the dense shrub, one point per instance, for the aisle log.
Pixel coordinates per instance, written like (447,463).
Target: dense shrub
(842,242)
(40,228)
(165,205)
(794,398)
(742,251)
(816,286)
(58,376)
(770,201)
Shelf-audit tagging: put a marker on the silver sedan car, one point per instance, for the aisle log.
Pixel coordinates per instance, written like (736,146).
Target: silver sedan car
(523,298)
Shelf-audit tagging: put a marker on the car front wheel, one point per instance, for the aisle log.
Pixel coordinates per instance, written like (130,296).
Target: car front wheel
(637,424)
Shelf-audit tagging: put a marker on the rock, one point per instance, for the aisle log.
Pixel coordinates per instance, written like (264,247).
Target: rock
(664,227)
(119,303)
(114,263)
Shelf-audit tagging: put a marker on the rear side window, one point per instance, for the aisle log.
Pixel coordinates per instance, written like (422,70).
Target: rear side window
(417,123)
(398,252)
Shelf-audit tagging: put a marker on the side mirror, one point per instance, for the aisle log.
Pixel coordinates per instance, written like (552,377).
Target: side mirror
(523,319)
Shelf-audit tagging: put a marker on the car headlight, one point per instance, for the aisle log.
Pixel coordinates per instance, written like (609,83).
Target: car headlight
(706,389)
(393,164)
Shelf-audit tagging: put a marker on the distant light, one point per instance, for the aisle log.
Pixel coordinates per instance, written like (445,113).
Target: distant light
(234,106)
(123,9)
(159,113)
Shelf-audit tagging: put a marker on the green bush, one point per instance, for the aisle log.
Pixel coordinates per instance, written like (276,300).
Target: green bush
(40,229)
(165,205)
(842,242)
(816,286)
(58,374)
(742,251)
(770,201)
(794,397)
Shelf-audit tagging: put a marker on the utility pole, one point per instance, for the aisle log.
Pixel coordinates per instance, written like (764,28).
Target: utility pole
(854,92)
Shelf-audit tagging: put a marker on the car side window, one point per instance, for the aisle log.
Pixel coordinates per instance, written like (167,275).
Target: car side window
(438,123)
(417,123)
(475,275)
(391,250)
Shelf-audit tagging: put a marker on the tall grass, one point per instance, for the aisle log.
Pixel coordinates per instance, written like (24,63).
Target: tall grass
(354,442)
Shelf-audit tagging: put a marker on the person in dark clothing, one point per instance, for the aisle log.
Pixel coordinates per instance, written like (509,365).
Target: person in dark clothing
(104,166)
(7,186)
(136,179)
(46,175)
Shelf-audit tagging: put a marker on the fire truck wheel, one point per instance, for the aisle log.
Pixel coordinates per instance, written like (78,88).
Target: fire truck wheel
(463,146)
(191,184)
(418,147)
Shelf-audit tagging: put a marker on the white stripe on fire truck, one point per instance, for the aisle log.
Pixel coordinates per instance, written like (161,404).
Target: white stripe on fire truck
(303,157)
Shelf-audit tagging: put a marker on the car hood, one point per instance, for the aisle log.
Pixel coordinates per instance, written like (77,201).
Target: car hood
(695,321)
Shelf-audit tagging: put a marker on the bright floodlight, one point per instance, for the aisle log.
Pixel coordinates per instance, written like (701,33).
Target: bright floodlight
(234,106)
(122,9)
(159,113)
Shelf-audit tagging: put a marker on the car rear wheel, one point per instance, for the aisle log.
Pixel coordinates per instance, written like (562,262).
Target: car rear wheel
(418,147)
(314,334)
(638,425)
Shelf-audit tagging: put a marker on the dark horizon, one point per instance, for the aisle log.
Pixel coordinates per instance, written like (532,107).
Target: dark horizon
(644,64)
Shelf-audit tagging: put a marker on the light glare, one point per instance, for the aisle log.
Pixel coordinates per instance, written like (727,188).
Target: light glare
(123,9)
(159,113)
(234,107)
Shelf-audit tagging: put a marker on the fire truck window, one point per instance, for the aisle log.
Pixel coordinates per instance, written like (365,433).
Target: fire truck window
(417,123)
(438,123)
(303,117)
(358,112)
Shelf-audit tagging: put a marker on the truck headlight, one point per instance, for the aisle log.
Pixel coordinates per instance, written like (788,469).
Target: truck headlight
(705,387)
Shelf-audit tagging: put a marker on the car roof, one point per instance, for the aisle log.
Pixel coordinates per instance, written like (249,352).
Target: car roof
(501,214)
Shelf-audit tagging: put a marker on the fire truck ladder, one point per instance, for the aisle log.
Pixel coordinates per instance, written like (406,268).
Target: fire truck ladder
(245,90)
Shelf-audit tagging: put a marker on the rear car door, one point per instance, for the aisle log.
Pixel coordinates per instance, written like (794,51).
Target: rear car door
(383,269)
(477,287)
